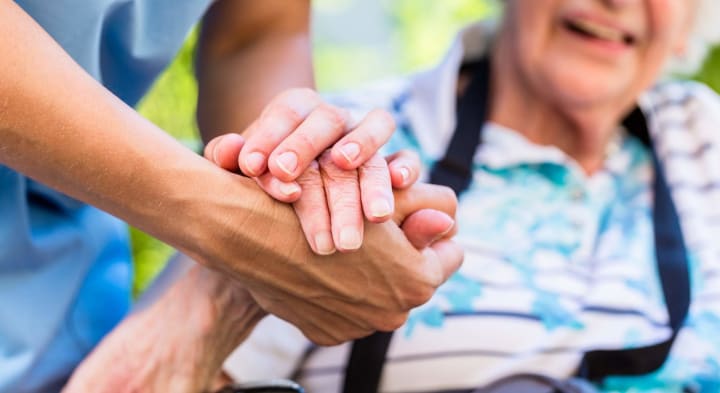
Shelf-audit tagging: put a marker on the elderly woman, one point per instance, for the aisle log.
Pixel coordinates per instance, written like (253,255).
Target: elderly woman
(587,212)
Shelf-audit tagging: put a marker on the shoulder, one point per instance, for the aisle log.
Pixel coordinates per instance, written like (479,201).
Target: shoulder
(684,116)
(691,102)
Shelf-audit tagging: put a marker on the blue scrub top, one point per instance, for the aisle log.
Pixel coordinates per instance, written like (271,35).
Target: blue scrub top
(65,267)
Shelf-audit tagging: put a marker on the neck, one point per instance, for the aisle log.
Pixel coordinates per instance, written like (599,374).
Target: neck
(582,132)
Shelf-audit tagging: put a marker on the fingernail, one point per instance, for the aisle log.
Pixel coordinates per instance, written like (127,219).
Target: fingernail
(254,163)
(214,155)
(451,224)
(350,239)
(404,174)
(380,208)
(350,151)
(324,243)
(289,189)
(287,162)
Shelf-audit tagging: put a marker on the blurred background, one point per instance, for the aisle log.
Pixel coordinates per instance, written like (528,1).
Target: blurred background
(355,42)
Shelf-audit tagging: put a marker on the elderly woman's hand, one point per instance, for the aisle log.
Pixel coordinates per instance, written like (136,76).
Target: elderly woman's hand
(177,344)
(332,193)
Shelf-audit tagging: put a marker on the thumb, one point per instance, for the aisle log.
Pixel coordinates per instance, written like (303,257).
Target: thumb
(444,258)
(423,196)
(426,226)
(224,150)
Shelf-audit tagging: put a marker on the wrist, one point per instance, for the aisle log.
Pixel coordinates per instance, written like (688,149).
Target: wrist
(220,312)
(178,344)
(231,225)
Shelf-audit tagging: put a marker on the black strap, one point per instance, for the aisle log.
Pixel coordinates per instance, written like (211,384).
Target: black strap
(367,356)
(455,169)
(672,264)
(365,364)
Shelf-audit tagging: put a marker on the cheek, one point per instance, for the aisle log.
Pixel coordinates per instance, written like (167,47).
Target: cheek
(669,23)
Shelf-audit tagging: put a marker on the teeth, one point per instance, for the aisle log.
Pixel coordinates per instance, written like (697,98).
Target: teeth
(599,31)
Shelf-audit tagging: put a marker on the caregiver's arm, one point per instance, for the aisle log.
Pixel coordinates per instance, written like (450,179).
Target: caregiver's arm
(61,127)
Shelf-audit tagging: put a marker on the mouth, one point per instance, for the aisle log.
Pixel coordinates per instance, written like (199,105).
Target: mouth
(599,31)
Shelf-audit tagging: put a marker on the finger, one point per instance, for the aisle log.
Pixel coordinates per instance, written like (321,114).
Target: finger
(364,140)
(210,147)
(365,316)
(424,196)
(320,325)
(375,190)
(320,130)
(226,150)
(444,258)
(282,191)
(426,226)
(279,119)
(343,200)
(311,209)
(404,168)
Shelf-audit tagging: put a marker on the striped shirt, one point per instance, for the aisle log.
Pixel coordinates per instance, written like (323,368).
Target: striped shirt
(557,262)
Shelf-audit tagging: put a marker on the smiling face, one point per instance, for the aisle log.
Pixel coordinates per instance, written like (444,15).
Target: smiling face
(585,53)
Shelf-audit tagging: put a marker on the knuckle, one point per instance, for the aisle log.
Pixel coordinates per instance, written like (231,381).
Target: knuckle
(376,166)
(325,161)
(281,112)
(303,144)
(296,95)
(383,119)
(380,125)
(412,157)
(322,340)
(392,322)
(339,333)
(333,116)
(311,176)
(421,295)
(301,93)
(449,198)
(333,174)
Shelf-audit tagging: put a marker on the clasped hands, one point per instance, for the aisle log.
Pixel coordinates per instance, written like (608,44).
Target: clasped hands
(398,259)
(333,190)
(374,253)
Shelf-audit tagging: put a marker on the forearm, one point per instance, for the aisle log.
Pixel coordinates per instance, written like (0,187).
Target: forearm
(64,129)
(176,345)
(248,52)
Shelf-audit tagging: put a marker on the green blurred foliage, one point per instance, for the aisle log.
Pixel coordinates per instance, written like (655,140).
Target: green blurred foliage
(710,71)
(171,105)
(427,27)
(421,31)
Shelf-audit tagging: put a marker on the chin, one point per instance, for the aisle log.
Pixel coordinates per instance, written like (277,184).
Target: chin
(583,91)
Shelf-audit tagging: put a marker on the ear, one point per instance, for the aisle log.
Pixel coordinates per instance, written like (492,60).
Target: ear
(680,50)
(680,45)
